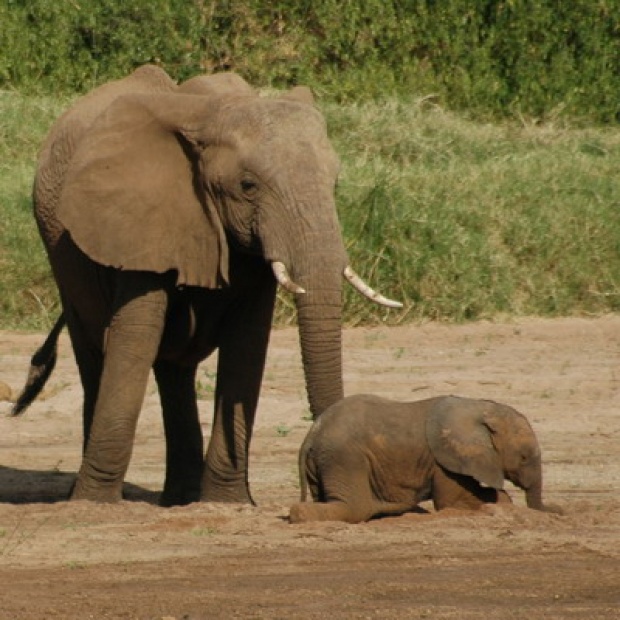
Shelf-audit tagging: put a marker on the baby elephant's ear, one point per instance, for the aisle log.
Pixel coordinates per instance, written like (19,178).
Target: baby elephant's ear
(461,442)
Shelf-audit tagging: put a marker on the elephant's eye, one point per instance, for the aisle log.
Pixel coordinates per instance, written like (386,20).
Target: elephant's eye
(249,187)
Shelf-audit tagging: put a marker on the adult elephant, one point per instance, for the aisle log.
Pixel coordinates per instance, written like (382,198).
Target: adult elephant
(169,214)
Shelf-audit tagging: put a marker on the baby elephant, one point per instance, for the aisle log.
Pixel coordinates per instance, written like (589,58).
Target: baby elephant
(367,456)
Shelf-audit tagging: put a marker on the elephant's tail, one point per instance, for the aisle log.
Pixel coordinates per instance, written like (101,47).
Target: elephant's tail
(308,475)
(41,367)
(303,480)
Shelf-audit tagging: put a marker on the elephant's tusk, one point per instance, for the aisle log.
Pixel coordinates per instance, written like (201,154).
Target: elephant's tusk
(367,291)
(284,280)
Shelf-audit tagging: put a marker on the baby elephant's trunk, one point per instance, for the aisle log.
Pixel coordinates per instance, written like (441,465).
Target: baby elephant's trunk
(533,497)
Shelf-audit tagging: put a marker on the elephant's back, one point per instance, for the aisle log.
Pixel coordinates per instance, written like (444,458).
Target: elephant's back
(363,416)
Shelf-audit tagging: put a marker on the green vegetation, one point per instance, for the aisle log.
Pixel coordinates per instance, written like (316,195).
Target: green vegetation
(464,220)
(497,57)
(478,139)
(200,532)
(282,430)
(27,293)
(205,388)
(460,220)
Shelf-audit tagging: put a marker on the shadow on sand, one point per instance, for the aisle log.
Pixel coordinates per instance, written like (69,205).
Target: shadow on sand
(25,486)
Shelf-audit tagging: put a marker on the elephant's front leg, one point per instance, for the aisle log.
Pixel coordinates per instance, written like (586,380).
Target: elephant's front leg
(241,360)
(462,492)
(184,445)
(132,342)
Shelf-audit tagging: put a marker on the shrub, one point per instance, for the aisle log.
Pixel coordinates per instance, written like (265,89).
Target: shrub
(489,57)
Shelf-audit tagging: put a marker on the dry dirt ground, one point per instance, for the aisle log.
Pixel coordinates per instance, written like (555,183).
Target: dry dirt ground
(136,560)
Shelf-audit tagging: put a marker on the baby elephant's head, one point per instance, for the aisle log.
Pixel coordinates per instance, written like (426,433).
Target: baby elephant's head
(487,441)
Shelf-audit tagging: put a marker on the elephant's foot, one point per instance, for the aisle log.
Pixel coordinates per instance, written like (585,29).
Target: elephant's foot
(102,493)
(182,485)
(228,495)
(178,495)
(232,490)
(553,509)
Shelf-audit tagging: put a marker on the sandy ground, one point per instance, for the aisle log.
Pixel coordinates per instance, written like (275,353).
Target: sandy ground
(63,559)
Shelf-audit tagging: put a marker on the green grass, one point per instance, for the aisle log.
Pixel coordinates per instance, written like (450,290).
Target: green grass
(464,220)
(460,220)
(27,294)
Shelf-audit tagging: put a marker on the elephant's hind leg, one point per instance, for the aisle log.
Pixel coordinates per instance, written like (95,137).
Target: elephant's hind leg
(133,339)
(184,443)
(327,511)
(341,511)
(353,505)
(90,366)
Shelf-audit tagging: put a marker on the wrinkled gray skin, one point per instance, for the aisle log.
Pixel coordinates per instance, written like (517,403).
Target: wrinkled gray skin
(367,456)
(161,208)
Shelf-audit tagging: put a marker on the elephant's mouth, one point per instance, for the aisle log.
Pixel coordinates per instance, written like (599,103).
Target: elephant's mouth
(519,482)
(246,244)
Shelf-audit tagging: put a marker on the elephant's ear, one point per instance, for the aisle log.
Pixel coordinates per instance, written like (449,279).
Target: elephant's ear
(461,441)
(301,94)
(133,198)
(217,84)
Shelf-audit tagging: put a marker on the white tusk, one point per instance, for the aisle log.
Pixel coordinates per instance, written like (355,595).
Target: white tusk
(284,280)
(365,290)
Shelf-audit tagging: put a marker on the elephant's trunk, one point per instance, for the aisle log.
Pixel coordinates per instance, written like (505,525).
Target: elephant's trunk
(320,335)
(319,313)
(533,497)
(533,494)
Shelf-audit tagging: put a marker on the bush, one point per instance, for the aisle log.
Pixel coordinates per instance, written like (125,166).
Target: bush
(494,57)
(461,220)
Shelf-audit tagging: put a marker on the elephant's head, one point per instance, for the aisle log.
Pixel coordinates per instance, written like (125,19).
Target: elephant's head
(488,441)
(179,181)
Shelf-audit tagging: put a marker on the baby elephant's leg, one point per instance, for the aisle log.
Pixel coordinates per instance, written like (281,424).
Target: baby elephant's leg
(463,492)
(355,512)
(502,497)
(345,494)
(323,511)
